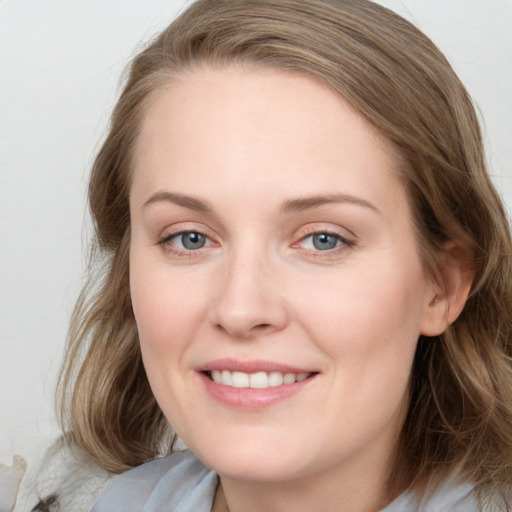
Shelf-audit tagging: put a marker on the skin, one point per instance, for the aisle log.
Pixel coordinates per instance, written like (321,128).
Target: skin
(247,143)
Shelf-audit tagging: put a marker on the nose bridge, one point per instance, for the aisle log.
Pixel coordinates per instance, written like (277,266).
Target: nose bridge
(248,301)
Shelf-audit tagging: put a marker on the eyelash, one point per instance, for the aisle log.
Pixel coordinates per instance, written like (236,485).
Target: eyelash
(167,246)
(343,242)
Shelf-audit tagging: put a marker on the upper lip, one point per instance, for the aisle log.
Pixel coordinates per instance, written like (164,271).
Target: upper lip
(253,366)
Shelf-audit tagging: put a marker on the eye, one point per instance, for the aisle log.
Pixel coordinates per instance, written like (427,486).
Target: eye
(325,241)
(186,241)
(190,240)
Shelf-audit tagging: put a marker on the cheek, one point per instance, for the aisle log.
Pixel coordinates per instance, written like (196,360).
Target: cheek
(166,310)
(366,315)
(166,304)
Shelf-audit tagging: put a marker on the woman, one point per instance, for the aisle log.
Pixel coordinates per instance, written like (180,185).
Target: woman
(306,274)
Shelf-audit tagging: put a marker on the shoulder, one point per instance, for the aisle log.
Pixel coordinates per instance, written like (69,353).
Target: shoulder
(64,479)
(454,495)
(178,482)
(450,494)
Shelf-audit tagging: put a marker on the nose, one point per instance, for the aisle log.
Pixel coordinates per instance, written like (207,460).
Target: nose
(248,303)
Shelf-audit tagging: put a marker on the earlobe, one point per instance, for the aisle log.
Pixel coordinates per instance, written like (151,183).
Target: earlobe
(450,289)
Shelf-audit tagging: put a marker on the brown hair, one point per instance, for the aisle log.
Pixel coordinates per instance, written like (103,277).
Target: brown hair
(461,398)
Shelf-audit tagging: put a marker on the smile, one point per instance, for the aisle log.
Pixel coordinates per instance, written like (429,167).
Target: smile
(258,380)
(255,384)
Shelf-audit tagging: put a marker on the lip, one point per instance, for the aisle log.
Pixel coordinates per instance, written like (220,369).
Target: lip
(234,365)
(252,399)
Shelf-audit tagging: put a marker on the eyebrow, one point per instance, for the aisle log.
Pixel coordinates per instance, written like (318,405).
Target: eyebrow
(304,203)
(288,206)
(191,203)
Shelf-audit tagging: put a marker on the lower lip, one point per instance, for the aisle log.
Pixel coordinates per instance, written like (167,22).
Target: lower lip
(252,398)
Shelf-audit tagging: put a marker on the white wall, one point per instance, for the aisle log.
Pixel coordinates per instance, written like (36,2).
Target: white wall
(60,62)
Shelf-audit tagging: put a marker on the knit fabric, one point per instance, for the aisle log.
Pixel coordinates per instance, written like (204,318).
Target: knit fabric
(65,480)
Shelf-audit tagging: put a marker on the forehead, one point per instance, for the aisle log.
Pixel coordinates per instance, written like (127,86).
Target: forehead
(264,127)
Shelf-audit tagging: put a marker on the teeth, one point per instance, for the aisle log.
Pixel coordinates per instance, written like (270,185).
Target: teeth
(289,378)
(259,380)
(275,379)
(239,380)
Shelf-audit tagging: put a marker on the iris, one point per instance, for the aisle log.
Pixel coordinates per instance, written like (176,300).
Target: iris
(324,241)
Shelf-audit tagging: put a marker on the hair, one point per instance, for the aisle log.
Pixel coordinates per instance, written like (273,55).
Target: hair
(461,392)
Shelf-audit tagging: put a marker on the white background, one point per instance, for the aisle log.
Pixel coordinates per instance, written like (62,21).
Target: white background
(60,63)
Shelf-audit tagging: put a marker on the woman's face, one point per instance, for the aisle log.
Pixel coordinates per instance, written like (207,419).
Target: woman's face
(273,247)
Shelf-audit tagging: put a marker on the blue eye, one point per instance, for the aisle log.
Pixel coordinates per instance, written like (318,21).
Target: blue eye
(190,240)
(324,241)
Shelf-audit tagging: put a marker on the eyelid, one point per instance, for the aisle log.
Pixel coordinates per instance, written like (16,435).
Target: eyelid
(164,240)
(347,240)
(188,232)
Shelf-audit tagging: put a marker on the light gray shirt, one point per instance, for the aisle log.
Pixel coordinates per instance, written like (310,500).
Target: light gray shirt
(181,483)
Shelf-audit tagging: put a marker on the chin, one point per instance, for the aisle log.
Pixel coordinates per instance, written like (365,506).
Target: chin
(256,470)
(253,461)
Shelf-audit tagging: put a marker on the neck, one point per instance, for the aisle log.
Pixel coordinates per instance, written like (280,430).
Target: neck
(357,491)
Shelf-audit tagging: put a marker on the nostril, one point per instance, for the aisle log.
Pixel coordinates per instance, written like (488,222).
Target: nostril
(261,327)
(255,330)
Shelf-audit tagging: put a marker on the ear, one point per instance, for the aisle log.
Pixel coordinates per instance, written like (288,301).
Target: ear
(450,288)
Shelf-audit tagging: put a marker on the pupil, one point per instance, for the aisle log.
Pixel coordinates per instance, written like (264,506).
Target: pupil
(193,240)
(324,241)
